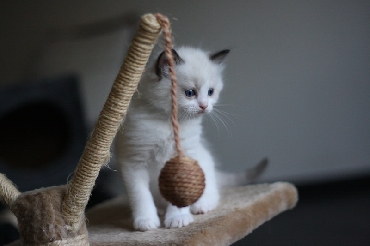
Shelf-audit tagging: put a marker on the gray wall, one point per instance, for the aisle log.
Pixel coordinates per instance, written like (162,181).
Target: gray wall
(297,79)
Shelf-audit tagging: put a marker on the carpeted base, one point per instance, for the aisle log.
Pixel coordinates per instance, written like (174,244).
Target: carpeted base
(241,210)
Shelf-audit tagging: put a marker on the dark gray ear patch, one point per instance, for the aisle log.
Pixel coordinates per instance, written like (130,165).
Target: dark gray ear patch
(161,66)
(219,56)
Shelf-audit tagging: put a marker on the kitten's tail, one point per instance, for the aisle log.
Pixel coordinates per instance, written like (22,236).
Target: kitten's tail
(244,178)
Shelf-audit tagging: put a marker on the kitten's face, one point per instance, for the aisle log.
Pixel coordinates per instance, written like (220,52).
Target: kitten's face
(199,78)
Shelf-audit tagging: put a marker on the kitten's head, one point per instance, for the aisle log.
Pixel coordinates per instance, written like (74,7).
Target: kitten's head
(199,76)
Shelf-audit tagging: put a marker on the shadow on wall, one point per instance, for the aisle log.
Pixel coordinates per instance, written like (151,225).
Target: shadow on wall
(42,132)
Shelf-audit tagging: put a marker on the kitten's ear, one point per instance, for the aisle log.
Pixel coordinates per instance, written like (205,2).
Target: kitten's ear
(219,57)
(162,63)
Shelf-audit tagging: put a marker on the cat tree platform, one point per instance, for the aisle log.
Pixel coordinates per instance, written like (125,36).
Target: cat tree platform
(241,210)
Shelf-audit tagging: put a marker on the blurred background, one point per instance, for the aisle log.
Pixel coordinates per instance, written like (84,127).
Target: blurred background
(297,86)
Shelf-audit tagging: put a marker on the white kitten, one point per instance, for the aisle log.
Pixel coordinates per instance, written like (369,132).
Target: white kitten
(145,142)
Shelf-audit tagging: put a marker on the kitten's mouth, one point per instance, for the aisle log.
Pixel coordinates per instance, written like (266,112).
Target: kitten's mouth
(197,112)
(202,111)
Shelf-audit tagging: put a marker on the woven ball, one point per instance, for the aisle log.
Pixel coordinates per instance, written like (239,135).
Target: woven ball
(181,181)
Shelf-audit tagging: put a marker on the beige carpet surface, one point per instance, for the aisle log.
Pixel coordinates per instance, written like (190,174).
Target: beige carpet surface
(241,210)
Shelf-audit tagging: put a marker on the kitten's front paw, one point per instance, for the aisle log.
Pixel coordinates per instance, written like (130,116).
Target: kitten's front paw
(146,223)
(202,207)
(178,221)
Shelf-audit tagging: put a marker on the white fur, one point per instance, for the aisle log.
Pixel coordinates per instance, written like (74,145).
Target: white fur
(145,141)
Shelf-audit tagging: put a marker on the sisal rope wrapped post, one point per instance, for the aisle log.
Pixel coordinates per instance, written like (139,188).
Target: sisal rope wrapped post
(8,192)
(97,150)
(181,180)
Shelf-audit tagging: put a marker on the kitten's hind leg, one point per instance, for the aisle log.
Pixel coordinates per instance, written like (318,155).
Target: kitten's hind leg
(177,217)
(141,200)
(207,202)
(210,197)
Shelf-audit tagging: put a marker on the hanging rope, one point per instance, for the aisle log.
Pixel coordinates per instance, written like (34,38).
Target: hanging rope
(171,66)
(181,181)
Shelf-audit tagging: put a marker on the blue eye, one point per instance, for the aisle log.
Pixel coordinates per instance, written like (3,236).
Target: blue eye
(210,91)
(190,93)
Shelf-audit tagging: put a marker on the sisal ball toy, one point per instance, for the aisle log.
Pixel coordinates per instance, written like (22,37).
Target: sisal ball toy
(181,180)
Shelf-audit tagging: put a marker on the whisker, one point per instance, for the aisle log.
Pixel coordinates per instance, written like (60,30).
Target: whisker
(222,104)
(214,122)
(225,114)
(219,118)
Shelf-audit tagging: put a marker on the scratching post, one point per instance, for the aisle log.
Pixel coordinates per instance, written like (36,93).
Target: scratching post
(97,150)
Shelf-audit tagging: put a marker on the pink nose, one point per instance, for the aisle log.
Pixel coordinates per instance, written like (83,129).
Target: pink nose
(203,106)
